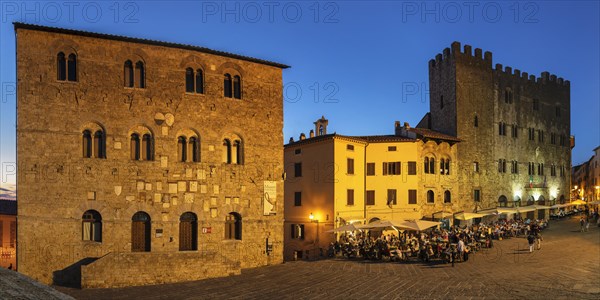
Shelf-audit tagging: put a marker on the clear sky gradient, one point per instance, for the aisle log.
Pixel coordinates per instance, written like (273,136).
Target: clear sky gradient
(350,60)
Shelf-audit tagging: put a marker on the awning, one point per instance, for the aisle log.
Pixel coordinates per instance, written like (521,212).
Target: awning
(468,216)
(343,228)
(540,207)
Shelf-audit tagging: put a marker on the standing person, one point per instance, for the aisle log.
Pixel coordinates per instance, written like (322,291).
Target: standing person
(531,240)
(587,224)
(582,223)
(461,249)
(538,240)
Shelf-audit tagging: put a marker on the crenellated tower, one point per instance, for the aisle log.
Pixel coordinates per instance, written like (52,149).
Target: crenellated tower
(508,121)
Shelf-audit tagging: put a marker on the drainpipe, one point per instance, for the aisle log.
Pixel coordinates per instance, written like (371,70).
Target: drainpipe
(365,185)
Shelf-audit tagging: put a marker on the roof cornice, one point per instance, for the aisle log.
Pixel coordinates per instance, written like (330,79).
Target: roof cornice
(19,25)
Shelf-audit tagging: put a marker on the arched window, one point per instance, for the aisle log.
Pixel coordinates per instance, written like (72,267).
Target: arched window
(194,149)
(227,86)
(442,166)
(72,67)
(445,166)
(61,67)
(128,74)
(237,87)
(182,149)
(430,196)
(147,147)
(233,226)
(135,147)
(99,144)
(140,75)
(188,232)
(140,232)
(91,226)
(517,201)
(189,80)
(426,165)
(87,144)
(321,129)
(530,200)
(199,81)
(239,158)
(432,165)
(447,197)
(502,201)
(227,151)
(475,121)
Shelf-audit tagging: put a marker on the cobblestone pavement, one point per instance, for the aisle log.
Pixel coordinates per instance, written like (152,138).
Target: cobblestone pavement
(18,286)
(567,267)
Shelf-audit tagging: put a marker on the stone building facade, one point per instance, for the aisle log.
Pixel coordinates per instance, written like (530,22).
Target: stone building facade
(144,162)
(333,180)
(514,129)
(585,179)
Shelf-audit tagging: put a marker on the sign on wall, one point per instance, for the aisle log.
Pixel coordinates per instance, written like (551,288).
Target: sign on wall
(206,230)
(269,198)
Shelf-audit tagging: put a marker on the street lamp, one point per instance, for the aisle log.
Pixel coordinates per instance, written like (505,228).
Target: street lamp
(313,220)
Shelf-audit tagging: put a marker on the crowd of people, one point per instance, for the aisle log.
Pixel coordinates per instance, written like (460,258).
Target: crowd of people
(449,245)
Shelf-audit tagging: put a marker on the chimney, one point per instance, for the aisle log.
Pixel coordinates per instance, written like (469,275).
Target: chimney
(311,134)
(291,140)
(404,130)
(302,136)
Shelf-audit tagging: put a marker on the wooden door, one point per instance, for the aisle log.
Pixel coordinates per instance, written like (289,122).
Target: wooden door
(185,236)
(138,237)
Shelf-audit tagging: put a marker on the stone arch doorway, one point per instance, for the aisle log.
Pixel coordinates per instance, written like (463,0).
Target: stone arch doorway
(530,214)
(542,212)
(140,232)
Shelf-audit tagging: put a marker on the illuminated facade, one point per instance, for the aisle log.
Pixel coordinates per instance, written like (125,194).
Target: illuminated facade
(339,179)
(514,128)
(586,179)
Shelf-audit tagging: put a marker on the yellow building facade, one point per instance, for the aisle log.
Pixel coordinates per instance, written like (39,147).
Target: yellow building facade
(333,180)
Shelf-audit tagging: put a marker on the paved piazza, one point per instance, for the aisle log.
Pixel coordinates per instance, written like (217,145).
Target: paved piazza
(567,267)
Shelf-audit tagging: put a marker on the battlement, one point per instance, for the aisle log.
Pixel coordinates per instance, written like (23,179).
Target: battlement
(545,77)
(454,52)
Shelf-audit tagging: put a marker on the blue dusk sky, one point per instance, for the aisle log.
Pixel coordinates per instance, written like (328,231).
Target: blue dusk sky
(361,64)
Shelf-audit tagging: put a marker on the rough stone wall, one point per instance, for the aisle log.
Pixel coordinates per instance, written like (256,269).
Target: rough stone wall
(126,269)
(57,185)
(479,91)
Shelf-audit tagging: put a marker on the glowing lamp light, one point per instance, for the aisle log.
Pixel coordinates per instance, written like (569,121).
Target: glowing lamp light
(517,194)
(311,216)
